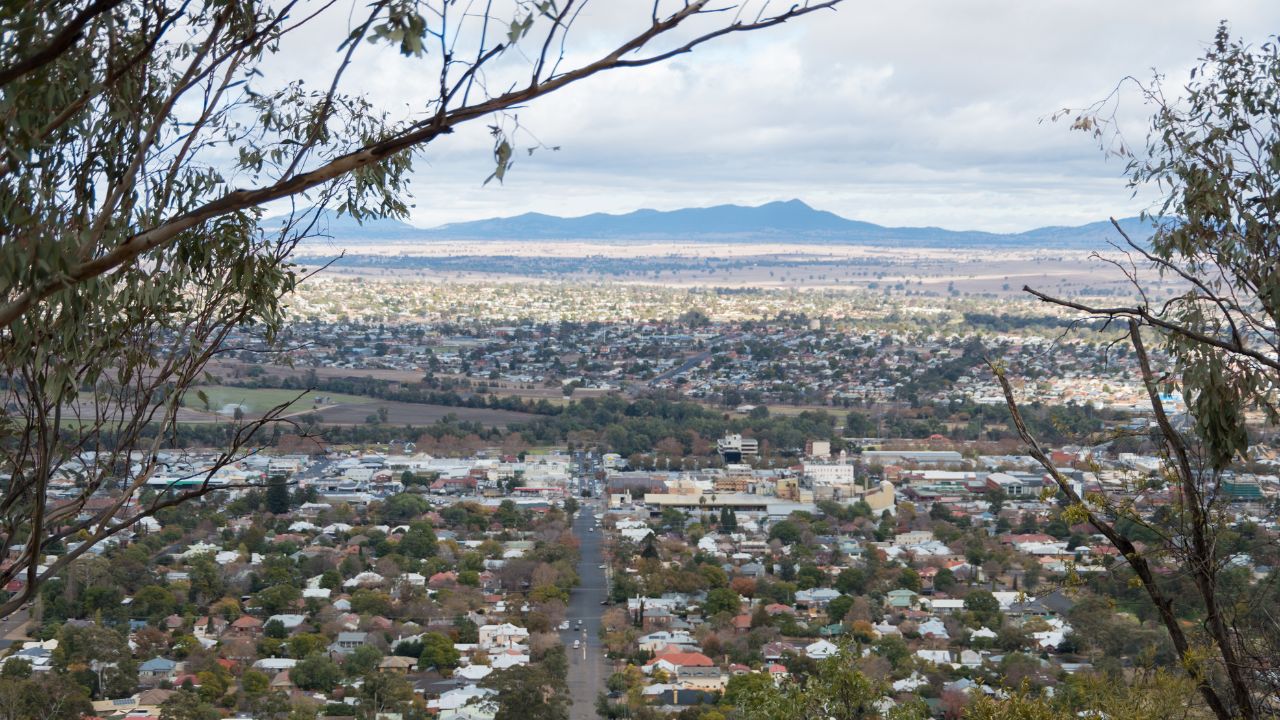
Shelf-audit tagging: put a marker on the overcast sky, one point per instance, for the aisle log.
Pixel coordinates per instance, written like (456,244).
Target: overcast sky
(909,112)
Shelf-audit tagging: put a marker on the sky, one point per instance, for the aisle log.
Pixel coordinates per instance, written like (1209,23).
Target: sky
(909,112)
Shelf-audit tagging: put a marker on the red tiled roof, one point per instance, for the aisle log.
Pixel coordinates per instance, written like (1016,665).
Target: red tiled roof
(684,659)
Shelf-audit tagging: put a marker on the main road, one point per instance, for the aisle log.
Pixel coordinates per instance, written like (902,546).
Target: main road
(688,364)
(587,669)
(13,629)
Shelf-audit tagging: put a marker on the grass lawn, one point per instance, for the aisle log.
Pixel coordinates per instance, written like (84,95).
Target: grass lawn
(259,400)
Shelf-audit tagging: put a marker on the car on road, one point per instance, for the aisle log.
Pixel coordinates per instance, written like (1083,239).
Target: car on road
(564,625)
(577,644)
(604,567)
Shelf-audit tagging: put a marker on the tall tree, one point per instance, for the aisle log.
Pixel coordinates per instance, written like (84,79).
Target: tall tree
(187,705)
(98,658)
(1212,152)
(835,689)
(384,694)
(42,696)
(139,143)
(277,495)
(531,691)
(438,652)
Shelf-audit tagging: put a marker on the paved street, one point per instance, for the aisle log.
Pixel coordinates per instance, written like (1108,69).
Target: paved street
(587,671)
(13,628)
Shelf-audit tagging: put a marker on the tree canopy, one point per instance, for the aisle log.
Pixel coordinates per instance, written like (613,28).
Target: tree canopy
(1211,154)
(140,144)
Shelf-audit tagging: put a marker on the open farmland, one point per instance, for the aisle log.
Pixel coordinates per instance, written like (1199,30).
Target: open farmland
(332,408)
(253,402)
(401,413)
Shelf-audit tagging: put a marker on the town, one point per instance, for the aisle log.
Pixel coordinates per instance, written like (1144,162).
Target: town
(671,360)
(747,348)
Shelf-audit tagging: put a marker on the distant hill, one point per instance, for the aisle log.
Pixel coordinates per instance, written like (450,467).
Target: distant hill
(791,221)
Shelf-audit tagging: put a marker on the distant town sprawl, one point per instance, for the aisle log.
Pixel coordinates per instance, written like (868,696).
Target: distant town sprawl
(727,347)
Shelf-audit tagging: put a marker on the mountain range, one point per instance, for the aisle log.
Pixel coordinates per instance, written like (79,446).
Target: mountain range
(790,221)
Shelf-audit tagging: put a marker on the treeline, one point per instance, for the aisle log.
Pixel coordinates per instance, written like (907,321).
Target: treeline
(1006,323)
(644,425)
(675,428)
(417,393)
(1054,424)
(217,435)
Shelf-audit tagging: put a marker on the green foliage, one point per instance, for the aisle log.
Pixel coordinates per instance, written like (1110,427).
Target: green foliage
(382,692)
(275,629)
(418,542)
(187,705)
(467,631)
(438,652)
(137,157)
(47,695)
(636,427)
(278,599)
(316,672)
(894,649)
(1146,696)
(302,645)
(370,602)
(746,687)
(672,521)
(153,603)
(403,508)
(206,578)
(909,579)
(1213,157)
(16,668)
(983,606)
(277,499)
(720,600)
(534,692)
(255,682)
(832,689)
(852,581)
(945,580)
(785,531)
(362,660)
(715,576)
(809,576)
(837,608)
(82,648)
(1211,154)
(509,516)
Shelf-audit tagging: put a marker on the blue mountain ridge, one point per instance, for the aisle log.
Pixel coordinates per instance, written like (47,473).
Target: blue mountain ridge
(790,221)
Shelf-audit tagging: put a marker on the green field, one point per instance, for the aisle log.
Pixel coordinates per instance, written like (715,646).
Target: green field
(255,401)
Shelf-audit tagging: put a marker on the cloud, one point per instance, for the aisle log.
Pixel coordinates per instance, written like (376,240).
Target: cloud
(914,112)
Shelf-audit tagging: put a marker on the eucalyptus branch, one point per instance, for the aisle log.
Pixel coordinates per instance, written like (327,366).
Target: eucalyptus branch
(1132,556)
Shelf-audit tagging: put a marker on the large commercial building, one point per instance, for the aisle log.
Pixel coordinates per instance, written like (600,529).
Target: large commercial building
(919,458)
(733,448)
